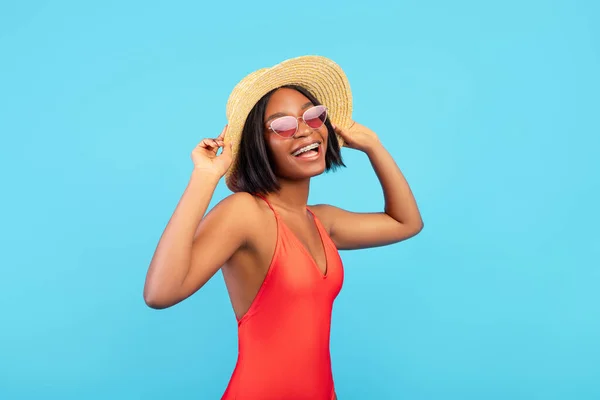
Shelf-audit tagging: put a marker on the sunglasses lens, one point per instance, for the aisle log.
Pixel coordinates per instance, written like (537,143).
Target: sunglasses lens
(315,117)
(285,126)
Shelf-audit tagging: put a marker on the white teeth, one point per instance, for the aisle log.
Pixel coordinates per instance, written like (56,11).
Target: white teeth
(305,148)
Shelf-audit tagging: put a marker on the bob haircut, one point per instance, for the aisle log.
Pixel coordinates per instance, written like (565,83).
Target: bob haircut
(255,167)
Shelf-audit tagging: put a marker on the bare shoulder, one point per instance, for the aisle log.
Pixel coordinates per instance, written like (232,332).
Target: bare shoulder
(239,202)
(239,207)
(234,215)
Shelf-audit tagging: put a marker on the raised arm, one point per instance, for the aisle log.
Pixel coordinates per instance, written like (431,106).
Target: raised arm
(400,219)
(192,248)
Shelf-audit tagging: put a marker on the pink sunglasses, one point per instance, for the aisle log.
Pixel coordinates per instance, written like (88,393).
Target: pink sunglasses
(287,126)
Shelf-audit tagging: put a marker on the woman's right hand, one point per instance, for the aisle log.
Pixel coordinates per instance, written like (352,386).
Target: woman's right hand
(205,158)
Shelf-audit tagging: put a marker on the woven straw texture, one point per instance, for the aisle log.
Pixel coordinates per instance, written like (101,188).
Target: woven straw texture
(319,75)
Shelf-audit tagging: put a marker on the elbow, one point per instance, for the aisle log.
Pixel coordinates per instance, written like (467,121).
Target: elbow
(411,229)
(151,300)
(418,227)
(155,300)
(153,303)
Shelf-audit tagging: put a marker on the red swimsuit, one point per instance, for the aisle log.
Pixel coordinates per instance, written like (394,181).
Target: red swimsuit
(284,336)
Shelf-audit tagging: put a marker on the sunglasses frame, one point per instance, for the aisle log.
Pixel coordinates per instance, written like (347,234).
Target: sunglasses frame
(297,124)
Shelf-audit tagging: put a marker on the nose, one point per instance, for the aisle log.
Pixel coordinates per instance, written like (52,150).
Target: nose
(303,128)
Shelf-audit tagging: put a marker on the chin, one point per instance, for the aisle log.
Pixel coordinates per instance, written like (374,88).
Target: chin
(299,172)
(313,173)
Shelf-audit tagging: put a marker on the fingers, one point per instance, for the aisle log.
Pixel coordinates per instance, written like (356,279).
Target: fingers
(338,130)
(343,134)
(213,144)
(222,134)
(226,149)
(208,143)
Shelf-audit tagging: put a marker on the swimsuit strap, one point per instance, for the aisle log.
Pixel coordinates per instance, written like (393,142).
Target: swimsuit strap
(268,203)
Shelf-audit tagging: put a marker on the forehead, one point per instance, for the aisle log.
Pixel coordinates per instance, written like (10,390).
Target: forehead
(286,100)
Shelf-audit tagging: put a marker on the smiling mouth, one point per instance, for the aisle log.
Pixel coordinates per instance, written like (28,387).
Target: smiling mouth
(308,150)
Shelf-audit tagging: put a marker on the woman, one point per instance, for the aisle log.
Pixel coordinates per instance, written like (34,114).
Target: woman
(278,256)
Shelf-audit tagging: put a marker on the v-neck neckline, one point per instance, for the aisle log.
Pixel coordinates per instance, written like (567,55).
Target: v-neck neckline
(305,250)
(317,223)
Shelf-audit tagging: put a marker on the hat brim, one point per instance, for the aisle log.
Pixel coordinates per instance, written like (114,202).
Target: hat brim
(322,77)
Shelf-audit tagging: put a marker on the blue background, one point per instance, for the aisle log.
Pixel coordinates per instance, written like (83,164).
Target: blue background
(490,109)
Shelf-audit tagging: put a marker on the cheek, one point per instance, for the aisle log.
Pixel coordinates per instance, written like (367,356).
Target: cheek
(277,150)
(274,146)
(324,133)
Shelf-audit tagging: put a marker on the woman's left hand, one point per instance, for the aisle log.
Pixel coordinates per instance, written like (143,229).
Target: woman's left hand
(357,137)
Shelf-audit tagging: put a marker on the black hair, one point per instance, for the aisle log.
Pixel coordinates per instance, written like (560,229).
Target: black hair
(254,172)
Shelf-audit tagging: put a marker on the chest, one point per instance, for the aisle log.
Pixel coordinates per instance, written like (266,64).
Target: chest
(309,239)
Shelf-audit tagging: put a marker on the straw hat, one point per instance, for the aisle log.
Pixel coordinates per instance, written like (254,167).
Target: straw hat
(322,77)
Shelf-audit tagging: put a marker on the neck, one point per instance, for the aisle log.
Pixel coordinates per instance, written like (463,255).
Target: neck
(292,196)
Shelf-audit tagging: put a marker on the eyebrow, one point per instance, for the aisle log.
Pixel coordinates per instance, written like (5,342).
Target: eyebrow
(277,115)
